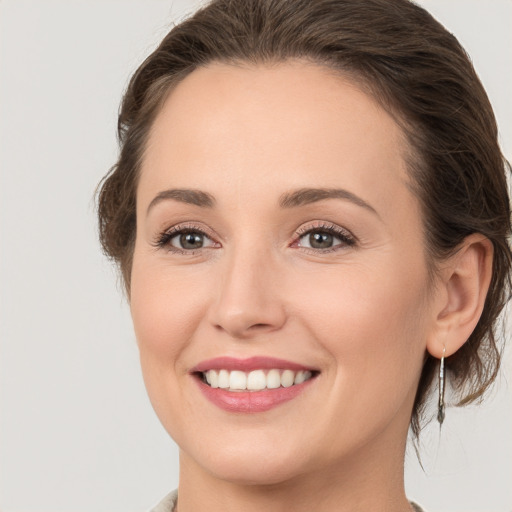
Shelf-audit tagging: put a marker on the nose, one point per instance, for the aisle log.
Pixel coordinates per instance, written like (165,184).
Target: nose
(249,299)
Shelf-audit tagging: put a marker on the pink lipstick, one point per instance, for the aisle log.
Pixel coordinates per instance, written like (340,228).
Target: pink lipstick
(251,385)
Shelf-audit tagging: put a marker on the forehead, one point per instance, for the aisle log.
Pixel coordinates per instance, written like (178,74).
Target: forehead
(233,130)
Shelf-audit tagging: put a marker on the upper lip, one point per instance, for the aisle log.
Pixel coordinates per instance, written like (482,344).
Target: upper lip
(248,364)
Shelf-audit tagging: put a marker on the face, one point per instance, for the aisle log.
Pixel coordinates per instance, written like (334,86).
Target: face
(278,242)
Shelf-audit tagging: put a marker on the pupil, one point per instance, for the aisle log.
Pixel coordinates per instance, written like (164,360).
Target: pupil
(320,240)
(191,241)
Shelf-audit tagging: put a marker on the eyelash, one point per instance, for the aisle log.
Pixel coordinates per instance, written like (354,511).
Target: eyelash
(348,240)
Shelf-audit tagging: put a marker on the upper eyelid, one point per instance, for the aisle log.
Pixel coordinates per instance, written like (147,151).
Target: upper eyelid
(301,230)
(326,225)
(180,227)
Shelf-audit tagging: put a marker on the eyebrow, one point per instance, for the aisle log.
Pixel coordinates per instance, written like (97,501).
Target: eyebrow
(184,195)
(293,199)
(305,196)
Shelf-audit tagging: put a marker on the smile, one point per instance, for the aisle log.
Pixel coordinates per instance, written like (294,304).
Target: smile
(256,380)
(252,385)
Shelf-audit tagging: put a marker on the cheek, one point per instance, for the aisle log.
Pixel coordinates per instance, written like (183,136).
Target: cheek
(362,306)
(165,311)
(373,325)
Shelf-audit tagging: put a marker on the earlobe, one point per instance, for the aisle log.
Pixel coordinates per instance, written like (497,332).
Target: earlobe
(466,277)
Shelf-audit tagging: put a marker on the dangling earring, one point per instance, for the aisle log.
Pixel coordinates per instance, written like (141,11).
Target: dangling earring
(440,409)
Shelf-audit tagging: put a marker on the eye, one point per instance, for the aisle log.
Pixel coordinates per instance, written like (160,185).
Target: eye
(189,240)
(184,240)
(325,238)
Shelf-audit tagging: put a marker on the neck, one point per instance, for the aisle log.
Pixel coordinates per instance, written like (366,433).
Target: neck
(371,478)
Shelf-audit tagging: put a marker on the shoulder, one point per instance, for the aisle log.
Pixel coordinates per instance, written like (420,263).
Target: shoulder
(416,507)
(167,504)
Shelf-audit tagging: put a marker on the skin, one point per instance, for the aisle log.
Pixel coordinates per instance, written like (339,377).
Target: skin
(363,314)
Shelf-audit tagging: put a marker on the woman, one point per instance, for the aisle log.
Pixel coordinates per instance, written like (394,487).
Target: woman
(310,214)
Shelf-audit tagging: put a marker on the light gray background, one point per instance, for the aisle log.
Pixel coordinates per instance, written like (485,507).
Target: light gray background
(77,432)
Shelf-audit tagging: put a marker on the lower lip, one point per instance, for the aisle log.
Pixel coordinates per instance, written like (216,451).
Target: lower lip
(251,401)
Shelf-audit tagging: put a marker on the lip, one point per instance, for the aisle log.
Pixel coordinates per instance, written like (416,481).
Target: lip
(250,401)
(249,364)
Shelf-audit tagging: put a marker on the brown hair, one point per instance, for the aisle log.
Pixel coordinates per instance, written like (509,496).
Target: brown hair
(418,72)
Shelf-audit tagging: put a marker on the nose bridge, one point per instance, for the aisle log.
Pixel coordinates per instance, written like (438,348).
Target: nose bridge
(248,299)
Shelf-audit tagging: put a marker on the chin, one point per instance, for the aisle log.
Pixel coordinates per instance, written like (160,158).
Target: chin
(263,472)
(252,464)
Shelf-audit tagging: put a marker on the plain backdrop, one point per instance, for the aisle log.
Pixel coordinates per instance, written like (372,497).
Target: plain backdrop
(77,432)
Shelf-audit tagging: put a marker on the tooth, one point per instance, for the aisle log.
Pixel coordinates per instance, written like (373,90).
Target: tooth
(299,378)
(212,378)
(237,380)
(223,379)
(273,379)
(256,380)
(287,378)
(302,376)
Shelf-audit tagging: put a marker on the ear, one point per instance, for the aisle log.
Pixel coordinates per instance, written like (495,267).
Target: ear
(460,297)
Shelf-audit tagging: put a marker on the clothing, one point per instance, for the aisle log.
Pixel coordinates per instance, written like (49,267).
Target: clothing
(169,502)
